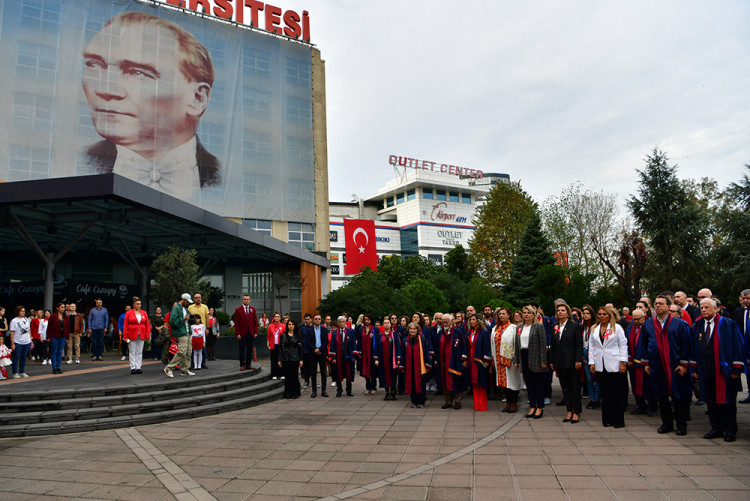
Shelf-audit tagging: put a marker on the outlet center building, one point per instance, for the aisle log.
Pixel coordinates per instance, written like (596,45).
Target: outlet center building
(421,213)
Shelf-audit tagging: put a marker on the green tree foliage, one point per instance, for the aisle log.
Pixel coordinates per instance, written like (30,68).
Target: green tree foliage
(553,281)
(398,272)
(424,296)
(175,272)
(457,263)
(500,223)
(533,254)
(732,254)
(367,292)
(480,293)
(674,226)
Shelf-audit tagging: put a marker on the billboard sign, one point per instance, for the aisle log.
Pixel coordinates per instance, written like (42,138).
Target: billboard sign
(210,113)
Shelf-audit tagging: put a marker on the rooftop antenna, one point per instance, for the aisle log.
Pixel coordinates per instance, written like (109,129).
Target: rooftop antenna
(400,172)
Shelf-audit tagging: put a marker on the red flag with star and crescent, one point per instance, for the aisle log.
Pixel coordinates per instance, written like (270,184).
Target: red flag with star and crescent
(359,239)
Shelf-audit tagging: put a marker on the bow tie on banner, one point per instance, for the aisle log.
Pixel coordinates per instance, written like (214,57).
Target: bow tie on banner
(176,174)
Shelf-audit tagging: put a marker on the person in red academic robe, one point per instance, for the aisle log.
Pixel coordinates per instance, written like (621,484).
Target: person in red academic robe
(453,362)
(480,358)
(717,364)
(415,362)
(365,351)
(645,400)
(386,352)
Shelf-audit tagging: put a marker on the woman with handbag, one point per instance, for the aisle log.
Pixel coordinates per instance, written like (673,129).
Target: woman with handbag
(504,346)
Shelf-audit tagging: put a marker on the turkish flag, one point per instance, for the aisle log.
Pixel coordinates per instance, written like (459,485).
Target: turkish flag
(359,238)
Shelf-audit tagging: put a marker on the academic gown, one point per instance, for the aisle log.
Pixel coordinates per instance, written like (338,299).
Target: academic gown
(480,357)
(639,380)
(415,362)
(343,345)
(728,358)
(664,351)
(387,351)
(365,348)
(453,354)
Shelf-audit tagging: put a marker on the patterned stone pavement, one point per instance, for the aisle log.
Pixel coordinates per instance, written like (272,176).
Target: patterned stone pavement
(362,447)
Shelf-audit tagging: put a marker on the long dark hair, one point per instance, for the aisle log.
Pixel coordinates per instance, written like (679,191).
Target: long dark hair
(291,321)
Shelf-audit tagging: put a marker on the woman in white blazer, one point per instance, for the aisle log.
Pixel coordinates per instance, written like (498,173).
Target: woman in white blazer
(608,357)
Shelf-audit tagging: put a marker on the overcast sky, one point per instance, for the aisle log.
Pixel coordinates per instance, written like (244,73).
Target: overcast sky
(549,92)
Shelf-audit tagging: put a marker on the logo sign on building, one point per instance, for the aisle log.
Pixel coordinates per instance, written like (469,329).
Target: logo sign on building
(417,164)
(202,110)
(334,236)
(334,269)
(441,214)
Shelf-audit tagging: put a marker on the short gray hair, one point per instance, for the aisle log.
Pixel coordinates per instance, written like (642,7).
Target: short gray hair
(712,301)
(342,317)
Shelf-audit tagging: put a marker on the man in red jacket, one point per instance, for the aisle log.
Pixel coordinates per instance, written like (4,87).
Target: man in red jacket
(246,328)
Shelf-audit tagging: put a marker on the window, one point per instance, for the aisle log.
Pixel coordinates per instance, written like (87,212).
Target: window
(260,225)
(465,198)
(36,61)
(260,289)
(212,137)
(389,202)
(256,63)
(400,198)
(256,103)
(26,162)
(299,111)
(300,194)
(256,147)
(440,195)
(453,196)
(42,15)
(302,234)
(427,193)
(216,48)
(299,73)
(257,186)
(299,153)
(218,92)
(411,194)
(381,205)
(295,295)
(32,112)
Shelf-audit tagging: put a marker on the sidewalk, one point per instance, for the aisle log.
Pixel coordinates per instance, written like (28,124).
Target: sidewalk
(362,447)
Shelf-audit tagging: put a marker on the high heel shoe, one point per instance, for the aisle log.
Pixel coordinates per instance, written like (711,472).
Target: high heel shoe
(574,421)
(531,413)
(568,418)
(539,416)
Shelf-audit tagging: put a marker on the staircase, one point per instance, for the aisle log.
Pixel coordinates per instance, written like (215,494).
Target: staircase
(75,410)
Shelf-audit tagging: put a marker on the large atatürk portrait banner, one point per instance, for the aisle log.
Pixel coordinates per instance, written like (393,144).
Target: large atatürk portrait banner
(207,112)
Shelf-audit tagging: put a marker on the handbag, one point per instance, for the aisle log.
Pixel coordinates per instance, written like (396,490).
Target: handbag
(173,348)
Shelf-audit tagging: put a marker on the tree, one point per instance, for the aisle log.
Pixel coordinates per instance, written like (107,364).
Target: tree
(457,263)
(424,296)
(673,225)
(732,255)
(499,225)
(398,272)
(533,254)
(367,292)
(176,271)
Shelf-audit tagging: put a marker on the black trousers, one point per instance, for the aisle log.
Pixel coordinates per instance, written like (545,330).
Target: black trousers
(246,350)
(613,405)
(535,382)
(291,378)
(679,415)
(571,393)
(275,369)
(419,398)
(313,362)
(511,396)
(723,417)
(644,403)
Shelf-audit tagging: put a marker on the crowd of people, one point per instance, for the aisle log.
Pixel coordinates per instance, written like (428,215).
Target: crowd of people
(664,352)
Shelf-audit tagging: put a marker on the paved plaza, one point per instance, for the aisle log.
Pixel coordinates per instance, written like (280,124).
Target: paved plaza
(362,447)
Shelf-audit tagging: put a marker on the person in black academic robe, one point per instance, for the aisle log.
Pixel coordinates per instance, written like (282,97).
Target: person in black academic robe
(387,354)
(453,362)
(342,361)
(664,351)
(415,364)
(436,333)
(718,362)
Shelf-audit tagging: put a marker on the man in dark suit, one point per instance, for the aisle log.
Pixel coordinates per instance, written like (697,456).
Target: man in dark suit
(246,329)
(681,299)
(148,82)
(742,319)
(566,355)
(304,331)
(315,347)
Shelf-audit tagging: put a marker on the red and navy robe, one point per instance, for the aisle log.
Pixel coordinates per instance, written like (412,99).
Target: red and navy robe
(453,354)
(639,380)
(366,349)
(663,350)
(341,349)
(387,352)
(415,357)
(728,358)
(480,357)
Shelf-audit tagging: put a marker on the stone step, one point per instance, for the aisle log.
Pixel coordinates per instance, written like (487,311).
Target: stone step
(125,389)
(179,387)
(139,419)
(158,402)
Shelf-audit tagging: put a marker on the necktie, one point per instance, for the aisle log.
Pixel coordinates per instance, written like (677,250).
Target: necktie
(708,332)
(247,311)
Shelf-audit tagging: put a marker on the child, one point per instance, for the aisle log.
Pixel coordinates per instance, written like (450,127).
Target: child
(198,335)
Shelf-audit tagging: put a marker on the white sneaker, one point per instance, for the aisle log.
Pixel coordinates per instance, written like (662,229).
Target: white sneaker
(69,362)
(16,376)
(333,385)
(283,377)
(122,359)
(188,373)
(24,374)
(168,372)
(274,377)
(45,362)
(547,401)
(78,361)
(2,378)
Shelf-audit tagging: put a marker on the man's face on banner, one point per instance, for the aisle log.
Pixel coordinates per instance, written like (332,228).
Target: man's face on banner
(137,95)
